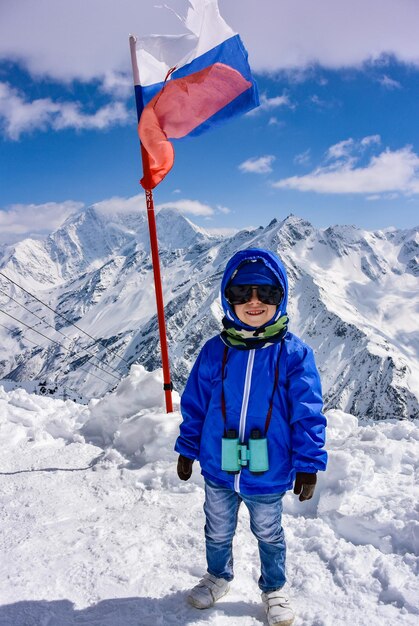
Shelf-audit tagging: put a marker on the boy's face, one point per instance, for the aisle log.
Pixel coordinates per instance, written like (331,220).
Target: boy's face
(254,312)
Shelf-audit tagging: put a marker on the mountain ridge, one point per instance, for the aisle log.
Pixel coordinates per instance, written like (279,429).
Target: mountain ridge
(352,299)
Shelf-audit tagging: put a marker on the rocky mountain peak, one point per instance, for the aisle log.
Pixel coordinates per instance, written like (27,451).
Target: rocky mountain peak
(350,299)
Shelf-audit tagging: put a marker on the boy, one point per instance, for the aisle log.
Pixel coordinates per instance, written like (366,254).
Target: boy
(254,382)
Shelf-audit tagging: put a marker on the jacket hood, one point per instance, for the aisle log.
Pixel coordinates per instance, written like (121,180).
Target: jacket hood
(272,261)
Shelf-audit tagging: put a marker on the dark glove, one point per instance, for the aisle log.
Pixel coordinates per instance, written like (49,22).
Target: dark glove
(184,467)
(305,484)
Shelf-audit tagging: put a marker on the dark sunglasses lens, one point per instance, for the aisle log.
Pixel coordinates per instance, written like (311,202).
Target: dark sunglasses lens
(238,294)
(268,294)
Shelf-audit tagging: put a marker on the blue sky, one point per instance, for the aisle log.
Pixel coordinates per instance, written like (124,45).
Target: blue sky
(335,140)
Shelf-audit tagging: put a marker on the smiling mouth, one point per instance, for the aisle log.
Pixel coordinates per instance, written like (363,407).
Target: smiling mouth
(255,312)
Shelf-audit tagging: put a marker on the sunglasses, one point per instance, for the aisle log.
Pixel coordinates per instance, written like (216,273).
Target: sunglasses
(240,294)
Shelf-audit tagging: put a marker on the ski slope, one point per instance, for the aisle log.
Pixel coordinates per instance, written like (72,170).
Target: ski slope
(97,530)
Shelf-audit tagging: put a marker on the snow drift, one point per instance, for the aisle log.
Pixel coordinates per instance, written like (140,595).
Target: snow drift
(98,530)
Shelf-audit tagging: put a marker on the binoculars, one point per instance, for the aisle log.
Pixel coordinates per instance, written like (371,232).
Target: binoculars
(235,455)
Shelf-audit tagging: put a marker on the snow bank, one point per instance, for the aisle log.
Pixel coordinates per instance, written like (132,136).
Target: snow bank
(129,421)
(28,417)
(126,540)
(363,493)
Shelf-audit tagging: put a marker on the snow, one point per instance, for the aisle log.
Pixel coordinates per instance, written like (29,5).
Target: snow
(98,530)
(362,277)
(353,299)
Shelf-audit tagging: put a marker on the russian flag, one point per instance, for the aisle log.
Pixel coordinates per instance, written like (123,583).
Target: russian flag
(186,84)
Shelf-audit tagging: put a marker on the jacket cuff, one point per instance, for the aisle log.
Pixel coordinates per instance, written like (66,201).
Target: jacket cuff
(185,450)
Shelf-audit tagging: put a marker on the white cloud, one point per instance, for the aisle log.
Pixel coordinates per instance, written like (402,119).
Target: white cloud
(62,40)
(192,207)
(303,158)
(390,171)
(349,150)
(223,209)
(315,99)
(384,196)
(289,34)
(118,85)
(340,150)
(258,165)
(323,103)
(268,104)
(78,39)
(18,116)
(389,83)
(116,204)
(370,140)
(19,221)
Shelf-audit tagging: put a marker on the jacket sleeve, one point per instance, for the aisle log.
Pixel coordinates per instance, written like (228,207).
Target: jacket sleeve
(307,422)
(194,406)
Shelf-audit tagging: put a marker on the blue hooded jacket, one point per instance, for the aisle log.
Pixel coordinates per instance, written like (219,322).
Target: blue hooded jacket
(296,433)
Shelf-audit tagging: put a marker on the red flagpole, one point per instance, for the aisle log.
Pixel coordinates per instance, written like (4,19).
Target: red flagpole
(167,383)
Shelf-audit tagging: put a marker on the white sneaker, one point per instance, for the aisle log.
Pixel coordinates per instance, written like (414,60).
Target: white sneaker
(207,591)
(278,609)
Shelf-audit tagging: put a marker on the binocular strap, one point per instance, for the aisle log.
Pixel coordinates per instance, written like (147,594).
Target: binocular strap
(271,402)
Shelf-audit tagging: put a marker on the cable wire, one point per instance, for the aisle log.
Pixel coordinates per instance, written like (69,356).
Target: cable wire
(79,368)
(40,347)
(58,331)
(57,342)
(60,315)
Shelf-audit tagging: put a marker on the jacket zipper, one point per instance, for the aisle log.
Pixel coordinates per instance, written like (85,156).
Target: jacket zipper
(243,412)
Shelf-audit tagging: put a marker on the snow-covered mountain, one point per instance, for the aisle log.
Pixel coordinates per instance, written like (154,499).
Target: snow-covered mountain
(354,299)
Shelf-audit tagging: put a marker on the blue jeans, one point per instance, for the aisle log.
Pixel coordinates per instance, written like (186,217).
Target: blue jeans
(221,509)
